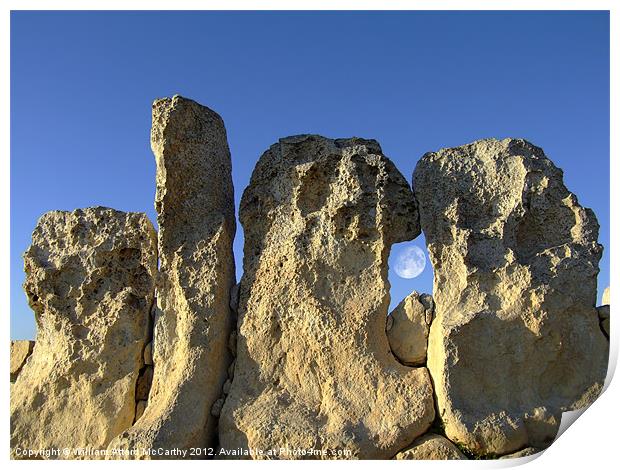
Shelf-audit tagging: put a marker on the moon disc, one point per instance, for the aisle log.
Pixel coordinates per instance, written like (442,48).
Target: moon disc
(410,262)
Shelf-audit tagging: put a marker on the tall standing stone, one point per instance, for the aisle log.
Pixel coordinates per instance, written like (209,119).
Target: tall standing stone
(515,340)
(196,217)
(314,371)
(89,280)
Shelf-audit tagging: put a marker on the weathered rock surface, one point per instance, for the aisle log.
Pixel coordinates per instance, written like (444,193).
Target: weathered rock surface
(431,447)
(522,453)
(408,326)
(606,296)
(196,216)
(314,368)
(515,339)
(89,280)
(20,352)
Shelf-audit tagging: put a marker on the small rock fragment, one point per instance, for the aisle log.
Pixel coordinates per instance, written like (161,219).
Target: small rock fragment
(409,326)
(603,315)
(431,447)
(606,296)
(148,354)
(216,409)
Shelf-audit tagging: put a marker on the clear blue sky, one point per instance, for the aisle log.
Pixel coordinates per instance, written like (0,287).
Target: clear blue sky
(82,86)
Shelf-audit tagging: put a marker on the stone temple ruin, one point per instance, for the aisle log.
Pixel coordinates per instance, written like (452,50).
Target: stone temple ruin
(146,348)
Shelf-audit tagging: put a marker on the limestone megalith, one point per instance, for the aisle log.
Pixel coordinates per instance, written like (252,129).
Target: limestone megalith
(314,370)
(196,218)
(90,281)
(515,340)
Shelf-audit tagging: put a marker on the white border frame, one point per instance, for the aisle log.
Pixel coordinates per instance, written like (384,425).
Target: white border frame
(591,443)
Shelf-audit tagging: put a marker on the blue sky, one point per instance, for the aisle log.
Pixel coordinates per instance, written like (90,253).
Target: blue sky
(82,84)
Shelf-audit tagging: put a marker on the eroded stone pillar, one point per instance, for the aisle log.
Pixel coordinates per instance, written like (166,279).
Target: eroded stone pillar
(196,217)
(515,340)
(90,281)
(314,369)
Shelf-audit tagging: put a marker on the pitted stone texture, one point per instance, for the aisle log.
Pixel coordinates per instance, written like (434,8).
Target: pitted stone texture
(20,352)
(407,328)
(89,280)
(431,447)
(196,216)
(314,367)
(515,339)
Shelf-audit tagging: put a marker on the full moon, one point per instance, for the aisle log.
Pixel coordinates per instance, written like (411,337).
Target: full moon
(410,262)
